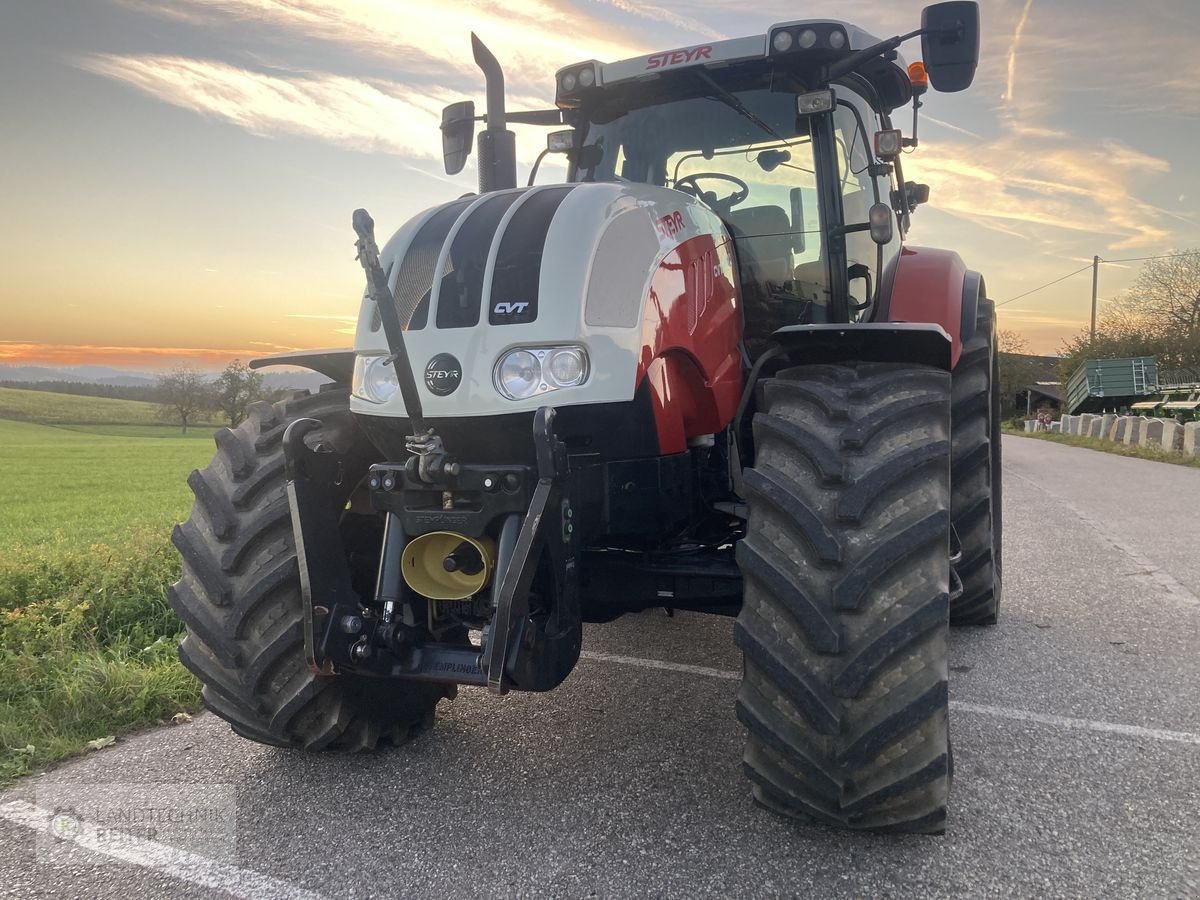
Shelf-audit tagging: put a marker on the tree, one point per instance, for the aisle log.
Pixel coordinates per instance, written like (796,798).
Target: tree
(184,395)
(235,389)
(1017,369)
(1158,316)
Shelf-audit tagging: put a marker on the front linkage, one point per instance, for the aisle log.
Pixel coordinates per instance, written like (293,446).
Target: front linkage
(521,648)
(428,493)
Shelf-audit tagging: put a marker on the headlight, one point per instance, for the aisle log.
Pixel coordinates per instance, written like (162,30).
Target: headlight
(525,371)
(566,367)
(569,81)
(374,378)
(782,41)
(519,374)
(808,38)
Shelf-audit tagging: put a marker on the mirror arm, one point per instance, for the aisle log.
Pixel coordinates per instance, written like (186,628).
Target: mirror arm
(535,117)
(536,163)
(852,62)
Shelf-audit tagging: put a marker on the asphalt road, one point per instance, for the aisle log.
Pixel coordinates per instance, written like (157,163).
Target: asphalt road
(1076,727)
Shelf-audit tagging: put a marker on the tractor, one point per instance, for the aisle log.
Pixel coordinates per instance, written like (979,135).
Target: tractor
(704,373)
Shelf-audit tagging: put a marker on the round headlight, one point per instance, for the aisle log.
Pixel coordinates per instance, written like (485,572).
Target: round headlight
(782,42)
(837,39)
(807,38)
(587,77)
(519,375)
(569,81)
(379,379)
(566,368)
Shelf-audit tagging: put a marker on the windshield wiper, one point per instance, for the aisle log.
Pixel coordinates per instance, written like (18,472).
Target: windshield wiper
(738,106)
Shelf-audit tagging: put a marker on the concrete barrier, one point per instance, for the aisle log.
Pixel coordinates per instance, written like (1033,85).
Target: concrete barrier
(1172,433)
(1152,432)
(1094,427)
(1030,426)
(1134,435)
(1065,424)
(1085,424)
(1120,429)
(1056,427)
(1191,439)
(1107,423)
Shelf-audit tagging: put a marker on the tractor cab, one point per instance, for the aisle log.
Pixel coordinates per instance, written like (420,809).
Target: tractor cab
(768,135)
(751,157)
(786,136)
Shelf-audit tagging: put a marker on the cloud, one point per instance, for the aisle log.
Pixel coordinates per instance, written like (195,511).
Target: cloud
(532,38)
(1012,51)
(343,111)
(25,353)
(1046,188)
(666,16)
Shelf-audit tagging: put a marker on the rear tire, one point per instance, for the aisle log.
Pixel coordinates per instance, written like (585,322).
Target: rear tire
(239,597)
(844,619)
(975,473)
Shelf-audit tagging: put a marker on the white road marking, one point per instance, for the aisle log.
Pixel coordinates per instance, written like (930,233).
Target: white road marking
(1023,715)
(998,712)
(662,664)
(190,867)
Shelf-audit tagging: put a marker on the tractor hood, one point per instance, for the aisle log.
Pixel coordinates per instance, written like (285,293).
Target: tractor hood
(554,266)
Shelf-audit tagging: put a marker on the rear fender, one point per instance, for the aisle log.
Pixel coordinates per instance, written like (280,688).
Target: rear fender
(336,364)
(931,286)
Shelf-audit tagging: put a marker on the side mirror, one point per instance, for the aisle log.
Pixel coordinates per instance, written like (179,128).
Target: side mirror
(458,131)
(950,44)
(561,141)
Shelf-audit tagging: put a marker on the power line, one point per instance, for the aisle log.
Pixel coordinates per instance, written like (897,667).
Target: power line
(1044,286)
(1089,265)
(1143,258)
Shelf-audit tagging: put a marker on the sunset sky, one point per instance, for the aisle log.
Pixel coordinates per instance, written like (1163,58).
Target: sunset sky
(177,177)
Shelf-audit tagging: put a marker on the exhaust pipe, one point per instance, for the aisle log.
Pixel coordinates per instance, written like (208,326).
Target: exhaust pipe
(497,145)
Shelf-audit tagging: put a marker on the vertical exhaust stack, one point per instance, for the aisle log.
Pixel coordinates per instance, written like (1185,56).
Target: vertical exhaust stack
(497,145)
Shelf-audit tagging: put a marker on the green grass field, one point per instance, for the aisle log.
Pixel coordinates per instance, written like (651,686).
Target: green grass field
(70,409)
(87,641)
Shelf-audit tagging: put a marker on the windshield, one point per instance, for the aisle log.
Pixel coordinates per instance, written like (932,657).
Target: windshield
(749,156)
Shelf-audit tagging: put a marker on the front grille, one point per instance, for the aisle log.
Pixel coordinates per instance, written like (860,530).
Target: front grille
(514,299)
(462,280)
(414,282)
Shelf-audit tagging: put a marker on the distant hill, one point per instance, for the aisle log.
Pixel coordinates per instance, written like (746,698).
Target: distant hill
(77,374)
(104,381)
(48,408)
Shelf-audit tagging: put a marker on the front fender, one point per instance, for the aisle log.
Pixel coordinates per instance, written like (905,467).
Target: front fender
(935,286)
(336,364)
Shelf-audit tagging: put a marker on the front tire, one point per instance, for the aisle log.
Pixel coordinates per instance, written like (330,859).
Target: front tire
(843,626)
(239,596)
(975,473)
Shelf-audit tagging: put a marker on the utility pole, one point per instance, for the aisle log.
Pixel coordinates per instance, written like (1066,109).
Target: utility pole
(1095,284)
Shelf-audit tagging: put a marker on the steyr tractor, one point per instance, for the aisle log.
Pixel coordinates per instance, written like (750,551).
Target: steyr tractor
(704,374)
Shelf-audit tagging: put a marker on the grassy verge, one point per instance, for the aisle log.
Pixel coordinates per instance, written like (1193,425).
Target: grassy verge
(1091,443)
(87,641)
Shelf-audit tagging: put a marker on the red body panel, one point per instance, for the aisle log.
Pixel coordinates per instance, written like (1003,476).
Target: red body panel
(690,333)
(927,286)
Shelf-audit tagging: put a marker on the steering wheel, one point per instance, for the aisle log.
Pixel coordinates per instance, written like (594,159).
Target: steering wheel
(688,184)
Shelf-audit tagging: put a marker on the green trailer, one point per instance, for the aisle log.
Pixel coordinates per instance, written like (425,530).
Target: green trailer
(1101,384)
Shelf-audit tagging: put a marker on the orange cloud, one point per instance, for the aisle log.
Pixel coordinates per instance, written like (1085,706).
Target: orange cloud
(153,358)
